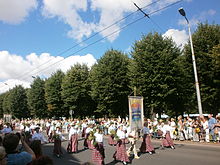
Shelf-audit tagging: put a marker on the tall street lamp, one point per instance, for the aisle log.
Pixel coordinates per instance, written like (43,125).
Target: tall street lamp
(182,12)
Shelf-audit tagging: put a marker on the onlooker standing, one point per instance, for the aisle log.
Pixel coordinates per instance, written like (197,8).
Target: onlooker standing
(7,129)
(173,128)
(180,128)
(211,123)
(10,142)
(205,125)
(217,127)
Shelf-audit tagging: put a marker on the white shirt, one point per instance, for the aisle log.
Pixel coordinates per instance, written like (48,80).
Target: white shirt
(88,130)
(172,124)
(21,127)
(47,124)
(98,137)
(72,131)
(165,129)
(39,136)
(84,125)
(60,135)
(205,125)
(121,134)
(27,129)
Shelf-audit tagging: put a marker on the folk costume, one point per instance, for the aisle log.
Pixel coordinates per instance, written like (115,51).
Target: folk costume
(98,152)
(73,140)
(111,132)
(39,136)
(120,153)
(166,140)
(132,137)
(57,137)
(87,142)
(146,145)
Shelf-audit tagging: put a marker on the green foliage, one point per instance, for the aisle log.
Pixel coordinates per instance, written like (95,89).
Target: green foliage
(36,99)
(160,71)
(75,91)
(215,97)
(53,94)
(6,103)
(205,38)
(18,102)
(154,71)
(110,84)
(1,105)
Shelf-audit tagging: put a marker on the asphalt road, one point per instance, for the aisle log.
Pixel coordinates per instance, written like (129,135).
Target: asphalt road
(184,154)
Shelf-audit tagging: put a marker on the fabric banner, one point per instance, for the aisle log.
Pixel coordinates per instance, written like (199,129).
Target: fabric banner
(136,112)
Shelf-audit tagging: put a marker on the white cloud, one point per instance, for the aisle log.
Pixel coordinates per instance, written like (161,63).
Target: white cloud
(108,11)
(11,83)
(20,70)
(198,18)
(15,11)
(180,37)
(68,12)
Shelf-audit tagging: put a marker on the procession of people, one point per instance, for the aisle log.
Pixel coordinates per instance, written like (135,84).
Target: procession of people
(116,132)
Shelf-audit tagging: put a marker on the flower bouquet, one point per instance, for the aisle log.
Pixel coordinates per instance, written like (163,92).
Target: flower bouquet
(91,136)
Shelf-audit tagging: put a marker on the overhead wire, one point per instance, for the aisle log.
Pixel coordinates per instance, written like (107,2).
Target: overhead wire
(100,38)
(110,34)
(95,34)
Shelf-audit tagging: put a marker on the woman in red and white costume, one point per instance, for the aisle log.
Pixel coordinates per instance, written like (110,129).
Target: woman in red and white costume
(166,140)
(98,152)
(146,145)
(120,153)
(73,139)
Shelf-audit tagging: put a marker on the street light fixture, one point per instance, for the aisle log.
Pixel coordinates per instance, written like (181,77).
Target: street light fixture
(182,12)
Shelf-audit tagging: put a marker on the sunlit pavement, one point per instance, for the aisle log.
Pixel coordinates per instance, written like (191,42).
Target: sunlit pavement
(186,153)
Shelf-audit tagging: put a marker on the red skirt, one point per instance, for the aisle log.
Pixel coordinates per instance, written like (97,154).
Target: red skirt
(73,144)
(146,145)
(111,140)
(57,147)
(120,153)
(87,142)
(167,141)
(98,154)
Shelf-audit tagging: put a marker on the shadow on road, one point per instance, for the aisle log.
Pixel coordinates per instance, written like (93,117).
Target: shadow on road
(65,159)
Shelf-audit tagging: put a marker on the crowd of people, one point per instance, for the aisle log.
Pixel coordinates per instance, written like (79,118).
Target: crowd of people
(33,133)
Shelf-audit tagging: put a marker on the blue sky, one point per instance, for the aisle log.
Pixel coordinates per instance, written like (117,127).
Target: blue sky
(36,31)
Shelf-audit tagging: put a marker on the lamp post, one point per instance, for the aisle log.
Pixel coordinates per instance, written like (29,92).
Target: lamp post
(182,12)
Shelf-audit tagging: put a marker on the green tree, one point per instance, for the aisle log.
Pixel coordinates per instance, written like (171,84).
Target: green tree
(36,99)
(1,104)
(205,38)
(110,84)
(53,94)
(18,102)
(155,70)
(6,103)
(75,91)
(215,55)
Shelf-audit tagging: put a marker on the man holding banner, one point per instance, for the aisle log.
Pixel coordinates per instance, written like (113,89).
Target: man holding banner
(136,118)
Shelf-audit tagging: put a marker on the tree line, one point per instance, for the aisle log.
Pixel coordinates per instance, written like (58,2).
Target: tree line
(161,72)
